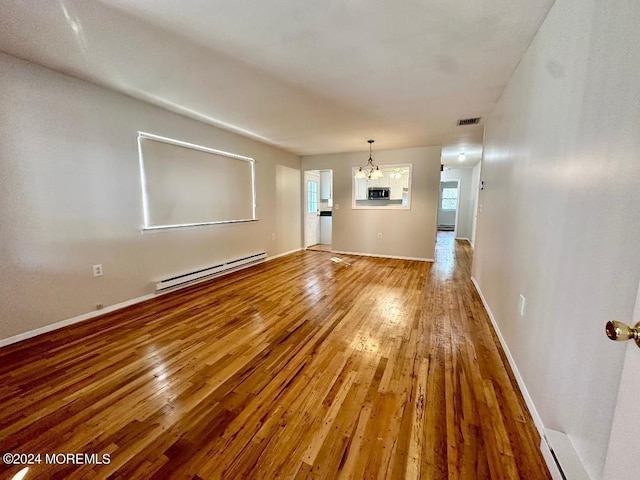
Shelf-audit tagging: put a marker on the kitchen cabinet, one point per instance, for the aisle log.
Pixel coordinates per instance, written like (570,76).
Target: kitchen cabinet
(379,182)
(326,184)
(397,185)
(362,185)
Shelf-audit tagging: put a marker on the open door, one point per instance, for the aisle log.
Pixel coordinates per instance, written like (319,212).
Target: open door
(624,443)
(311,208)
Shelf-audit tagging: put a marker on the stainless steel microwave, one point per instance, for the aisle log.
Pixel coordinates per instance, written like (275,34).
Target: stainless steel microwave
(378,193)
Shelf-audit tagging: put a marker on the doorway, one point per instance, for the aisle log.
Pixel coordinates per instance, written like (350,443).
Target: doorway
(311,208)
(448,204)
(318,209)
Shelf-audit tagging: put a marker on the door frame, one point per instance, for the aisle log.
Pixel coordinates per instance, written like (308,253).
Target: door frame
(315,176)
(624,441)
(457,210)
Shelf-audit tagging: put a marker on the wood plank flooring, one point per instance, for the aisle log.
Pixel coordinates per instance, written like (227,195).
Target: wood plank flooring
(301,367)
(320,247)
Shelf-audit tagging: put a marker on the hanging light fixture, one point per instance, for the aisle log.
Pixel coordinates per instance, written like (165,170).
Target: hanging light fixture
(397,173)
(370,170)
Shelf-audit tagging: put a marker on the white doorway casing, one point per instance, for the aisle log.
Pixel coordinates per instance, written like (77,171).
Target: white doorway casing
(624,442)
(311,219)
(469,179)
(448,219)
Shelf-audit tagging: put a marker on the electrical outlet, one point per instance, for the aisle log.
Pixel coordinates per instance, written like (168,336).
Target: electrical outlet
(521,305)
(97,270)
(273,236)
(379,235)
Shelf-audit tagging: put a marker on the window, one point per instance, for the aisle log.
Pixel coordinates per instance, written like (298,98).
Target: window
(449,199)
(312,197)
(187,185)
(391,192)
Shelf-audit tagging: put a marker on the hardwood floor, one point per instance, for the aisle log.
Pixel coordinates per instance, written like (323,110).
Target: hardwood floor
(320,247)
(301,367)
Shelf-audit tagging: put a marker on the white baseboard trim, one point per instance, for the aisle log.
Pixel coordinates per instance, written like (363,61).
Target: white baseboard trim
(564,452)
(397,257)
(552,462)
(273,257)
(70,321)
(112,308)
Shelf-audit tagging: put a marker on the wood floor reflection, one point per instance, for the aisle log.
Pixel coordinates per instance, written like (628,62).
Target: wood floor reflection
(301,367)
(320,247)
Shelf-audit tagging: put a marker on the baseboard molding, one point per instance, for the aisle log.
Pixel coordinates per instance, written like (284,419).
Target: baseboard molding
(283,254)
(465,239)
(397,257)
(70,321)
(112,308)
(558,471)
(551,461)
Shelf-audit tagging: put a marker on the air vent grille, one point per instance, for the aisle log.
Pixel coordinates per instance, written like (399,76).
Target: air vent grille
(469,121)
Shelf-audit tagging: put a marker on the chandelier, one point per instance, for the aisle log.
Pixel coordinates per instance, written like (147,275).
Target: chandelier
(369,171)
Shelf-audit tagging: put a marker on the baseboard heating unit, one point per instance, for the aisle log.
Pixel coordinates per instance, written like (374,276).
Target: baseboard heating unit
(211,271)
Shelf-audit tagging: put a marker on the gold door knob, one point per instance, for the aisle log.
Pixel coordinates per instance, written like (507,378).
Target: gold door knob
(619,331)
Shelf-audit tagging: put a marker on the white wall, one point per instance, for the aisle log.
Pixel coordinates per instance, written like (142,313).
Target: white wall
(468,197)
(405,233)
(561,220)
(70,198)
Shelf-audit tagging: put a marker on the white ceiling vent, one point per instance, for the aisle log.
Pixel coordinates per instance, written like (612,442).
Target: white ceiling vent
(469,121)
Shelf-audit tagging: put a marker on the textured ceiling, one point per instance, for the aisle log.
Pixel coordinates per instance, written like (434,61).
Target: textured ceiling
(310,77)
